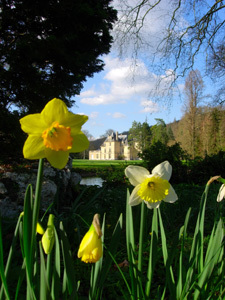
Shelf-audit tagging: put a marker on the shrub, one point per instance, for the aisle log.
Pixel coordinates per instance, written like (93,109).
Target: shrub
(159,152)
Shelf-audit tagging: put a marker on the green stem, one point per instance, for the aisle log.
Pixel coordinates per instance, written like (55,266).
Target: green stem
(140,251)
(37,198)
(36,207)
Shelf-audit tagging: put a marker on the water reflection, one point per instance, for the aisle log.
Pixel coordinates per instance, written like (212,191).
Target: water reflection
(92,181)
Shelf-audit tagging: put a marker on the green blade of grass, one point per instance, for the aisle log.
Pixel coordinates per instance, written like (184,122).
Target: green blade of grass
(28,243)
(20,279)
(152,252)
(111,252)
(212,257)
(55,288)
(44,287)
(169,271)
(131,246)
(69,273)
(183,233)
(2,271)
(27,228)
(11,251)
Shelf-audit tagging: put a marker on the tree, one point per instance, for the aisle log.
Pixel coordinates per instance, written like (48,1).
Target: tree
(173,33)
(107,133)
(193,90)
(159,132)
(88,134)
(139,135)
(49,48)
(217,69)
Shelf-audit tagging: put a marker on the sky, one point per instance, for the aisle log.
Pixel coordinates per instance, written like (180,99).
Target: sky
(113,98)
(120,94)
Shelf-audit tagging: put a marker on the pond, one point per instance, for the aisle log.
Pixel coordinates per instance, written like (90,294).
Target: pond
(92,181)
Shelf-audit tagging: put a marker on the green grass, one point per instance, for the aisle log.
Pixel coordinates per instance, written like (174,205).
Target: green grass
(89,164)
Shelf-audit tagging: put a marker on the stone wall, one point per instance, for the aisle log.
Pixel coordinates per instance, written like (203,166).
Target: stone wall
(58,185)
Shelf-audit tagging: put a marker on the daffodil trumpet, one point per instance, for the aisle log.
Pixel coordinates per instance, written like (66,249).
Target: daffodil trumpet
(54,133)
(151,188)
(90,250)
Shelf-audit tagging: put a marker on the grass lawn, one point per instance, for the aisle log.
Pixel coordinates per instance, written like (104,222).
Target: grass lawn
(89,164)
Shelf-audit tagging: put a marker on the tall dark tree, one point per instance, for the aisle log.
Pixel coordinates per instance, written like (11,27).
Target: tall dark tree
(49,48)
(193,91)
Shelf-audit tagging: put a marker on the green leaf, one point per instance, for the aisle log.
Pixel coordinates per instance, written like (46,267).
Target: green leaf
(111,252)
(152,252)
(131,246)
(56,270)
(69,272)
(2,271)
(44,286)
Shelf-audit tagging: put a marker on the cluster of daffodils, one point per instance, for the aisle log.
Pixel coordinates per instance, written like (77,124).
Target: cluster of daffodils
(151,188)
(53,134)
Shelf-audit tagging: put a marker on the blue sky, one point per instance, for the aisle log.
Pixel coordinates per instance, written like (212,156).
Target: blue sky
(114,98)
(120,94)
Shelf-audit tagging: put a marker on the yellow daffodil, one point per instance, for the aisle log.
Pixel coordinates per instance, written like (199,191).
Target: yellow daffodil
(221,193)
(90,250)
(48,238)
(40,229)
(151,188)
(54,133)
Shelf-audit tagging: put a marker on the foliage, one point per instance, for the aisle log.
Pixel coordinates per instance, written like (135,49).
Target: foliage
(11,136)
(209,131)
(48,49)
(112,273)
(139,135)
(210,164)
(159,152)
(159,132)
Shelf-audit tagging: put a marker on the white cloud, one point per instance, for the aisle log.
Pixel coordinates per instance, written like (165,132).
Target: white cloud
(94,115)
(124,83)
(117,115)
(149,106)
(88,93)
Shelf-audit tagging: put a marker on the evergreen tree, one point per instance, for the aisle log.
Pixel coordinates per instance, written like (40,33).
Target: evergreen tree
(49,48)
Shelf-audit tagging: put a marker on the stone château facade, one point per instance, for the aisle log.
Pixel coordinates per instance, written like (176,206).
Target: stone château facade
(114,147)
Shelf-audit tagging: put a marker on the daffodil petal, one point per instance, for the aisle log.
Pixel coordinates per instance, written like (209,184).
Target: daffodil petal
(136,174)
(152,205)
(54,110)
(221,193)
(80,142)
(58,159)
(33,124)
(74,121)
(164,170)
(172,196)
(34,147)
(85,242)
(134,198)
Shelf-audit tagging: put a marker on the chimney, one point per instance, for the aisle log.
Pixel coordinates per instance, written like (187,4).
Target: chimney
(116,135)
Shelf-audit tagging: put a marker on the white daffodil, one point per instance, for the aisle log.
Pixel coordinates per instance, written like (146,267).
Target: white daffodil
(221,193)
(151,188)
